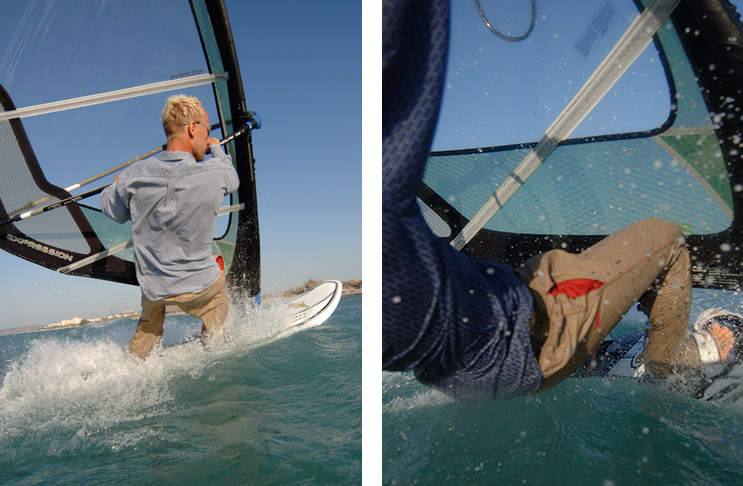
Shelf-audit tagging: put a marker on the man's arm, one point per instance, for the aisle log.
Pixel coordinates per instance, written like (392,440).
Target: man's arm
(232,181)
(461,324)
(114,202)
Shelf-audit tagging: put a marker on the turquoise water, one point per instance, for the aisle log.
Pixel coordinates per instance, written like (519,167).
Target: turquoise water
(586,431)
(75,409)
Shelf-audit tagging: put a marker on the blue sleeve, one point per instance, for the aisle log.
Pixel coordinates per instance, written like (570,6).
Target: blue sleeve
(232,181)
(114,202)
(461,324)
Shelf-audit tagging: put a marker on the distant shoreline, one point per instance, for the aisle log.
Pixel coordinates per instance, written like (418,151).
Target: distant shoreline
(350,287)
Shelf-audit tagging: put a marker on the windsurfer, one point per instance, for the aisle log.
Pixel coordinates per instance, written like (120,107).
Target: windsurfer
(480,329)
(172,201)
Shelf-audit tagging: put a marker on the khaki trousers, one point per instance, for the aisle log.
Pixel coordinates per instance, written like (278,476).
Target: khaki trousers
(579,298)
(210,305)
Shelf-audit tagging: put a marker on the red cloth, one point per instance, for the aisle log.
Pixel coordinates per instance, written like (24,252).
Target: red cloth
(577,287)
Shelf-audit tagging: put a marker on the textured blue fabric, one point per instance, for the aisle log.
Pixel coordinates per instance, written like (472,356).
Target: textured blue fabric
(461,324)
(172,201)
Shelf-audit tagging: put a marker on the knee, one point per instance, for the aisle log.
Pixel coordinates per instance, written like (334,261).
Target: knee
(665,228)
(152,319)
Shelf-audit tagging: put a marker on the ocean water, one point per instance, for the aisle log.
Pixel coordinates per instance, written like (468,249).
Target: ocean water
(76,409)
(585,431)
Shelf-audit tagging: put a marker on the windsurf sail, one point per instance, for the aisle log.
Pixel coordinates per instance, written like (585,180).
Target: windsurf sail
(81,88)
(535,150)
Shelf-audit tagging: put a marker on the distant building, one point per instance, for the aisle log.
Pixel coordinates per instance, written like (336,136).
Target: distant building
(75,321)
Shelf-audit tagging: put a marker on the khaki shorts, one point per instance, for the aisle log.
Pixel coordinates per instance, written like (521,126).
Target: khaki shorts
(210,305)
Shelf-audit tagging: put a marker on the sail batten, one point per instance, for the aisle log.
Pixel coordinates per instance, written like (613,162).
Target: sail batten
(117,95)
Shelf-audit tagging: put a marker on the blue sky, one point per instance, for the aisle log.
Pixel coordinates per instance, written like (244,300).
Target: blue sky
(301,68)
(500,93)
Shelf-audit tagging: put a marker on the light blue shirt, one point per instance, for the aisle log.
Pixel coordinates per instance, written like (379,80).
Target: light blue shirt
(172,201)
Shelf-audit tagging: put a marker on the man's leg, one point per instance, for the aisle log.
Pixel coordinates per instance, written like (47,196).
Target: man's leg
(149,330)
(210,305)
(649,262)
(586,295)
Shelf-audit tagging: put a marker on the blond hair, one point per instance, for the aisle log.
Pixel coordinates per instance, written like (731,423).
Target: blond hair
(180,110)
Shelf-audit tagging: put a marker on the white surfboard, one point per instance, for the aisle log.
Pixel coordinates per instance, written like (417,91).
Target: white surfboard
(624,357)
(313,307)
(306,310)
(309,309)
